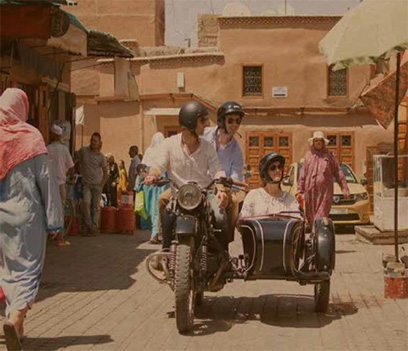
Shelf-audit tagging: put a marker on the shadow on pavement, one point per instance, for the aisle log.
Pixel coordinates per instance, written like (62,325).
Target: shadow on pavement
(105,262)
(51,344)
(220,314)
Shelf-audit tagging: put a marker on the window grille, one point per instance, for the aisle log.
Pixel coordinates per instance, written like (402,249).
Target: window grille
(254,141)
(268,142)
(337,82)
(252,81)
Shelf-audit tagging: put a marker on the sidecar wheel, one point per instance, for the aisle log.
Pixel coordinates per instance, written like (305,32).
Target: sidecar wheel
(184,289)
(322,296)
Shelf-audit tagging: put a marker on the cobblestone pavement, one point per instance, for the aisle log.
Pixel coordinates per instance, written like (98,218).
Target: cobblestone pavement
(97,295)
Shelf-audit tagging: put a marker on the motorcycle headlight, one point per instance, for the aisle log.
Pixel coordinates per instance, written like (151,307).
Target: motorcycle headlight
(362,196)
(189,196)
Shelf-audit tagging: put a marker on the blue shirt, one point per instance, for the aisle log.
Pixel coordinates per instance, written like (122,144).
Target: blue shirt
(230,155)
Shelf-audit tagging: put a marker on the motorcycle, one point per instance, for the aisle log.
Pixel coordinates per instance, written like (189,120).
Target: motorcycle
(275,247)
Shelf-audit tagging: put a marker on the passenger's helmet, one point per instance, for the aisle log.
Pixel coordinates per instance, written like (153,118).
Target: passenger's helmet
(264,164)
(228,108)
(190,113)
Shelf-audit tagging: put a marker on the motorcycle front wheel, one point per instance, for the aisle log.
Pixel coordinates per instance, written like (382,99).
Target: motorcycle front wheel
(184,289)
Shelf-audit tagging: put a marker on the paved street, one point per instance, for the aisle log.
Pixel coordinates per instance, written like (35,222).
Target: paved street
(97,295)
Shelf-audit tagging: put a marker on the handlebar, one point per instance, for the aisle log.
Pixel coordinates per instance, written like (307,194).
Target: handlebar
(227,182)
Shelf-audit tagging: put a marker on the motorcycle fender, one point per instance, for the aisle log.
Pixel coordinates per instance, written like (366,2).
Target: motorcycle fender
(186,225)
(325,245)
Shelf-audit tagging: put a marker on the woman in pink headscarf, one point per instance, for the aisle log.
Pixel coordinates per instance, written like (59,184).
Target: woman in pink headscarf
(315,185)
(30,205)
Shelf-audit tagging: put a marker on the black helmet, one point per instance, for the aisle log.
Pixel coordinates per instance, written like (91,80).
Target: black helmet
(266,161)
(228,108)
(190,113)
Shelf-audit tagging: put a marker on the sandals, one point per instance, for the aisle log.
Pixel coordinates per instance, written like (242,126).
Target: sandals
(13,342)
(155,241)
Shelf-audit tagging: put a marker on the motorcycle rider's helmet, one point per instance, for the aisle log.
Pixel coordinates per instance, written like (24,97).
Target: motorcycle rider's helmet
(190,113)
(228,108)
(264,164)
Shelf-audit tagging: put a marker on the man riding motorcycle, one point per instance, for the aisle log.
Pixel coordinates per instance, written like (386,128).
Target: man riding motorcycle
(229,118)
(187,157)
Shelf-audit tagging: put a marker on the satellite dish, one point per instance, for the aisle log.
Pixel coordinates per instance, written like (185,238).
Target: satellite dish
(236,9)
(290,11)
(269,12)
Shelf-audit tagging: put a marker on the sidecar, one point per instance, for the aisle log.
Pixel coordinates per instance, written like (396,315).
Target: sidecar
(277,247)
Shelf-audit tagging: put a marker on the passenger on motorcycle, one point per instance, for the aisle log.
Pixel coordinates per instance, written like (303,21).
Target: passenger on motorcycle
(269,198)
(229,118)
(187,157)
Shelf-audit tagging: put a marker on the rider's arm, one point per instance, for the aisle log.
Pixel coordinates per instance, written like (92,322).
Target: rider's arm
(237,164)
(162,159)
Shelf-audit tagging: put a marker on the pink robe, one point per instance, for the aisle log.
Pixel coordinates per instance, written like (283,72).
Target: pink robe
(319,169)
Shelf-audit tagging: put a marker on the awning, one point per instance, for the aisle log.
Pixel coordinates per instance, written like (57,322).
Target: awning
(104,44)
(45,19)
(380,99)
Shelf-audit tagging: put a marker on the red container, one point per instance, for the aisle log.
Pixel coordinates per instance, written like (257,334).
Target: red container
(2,296)
(126,220)
(396,287)
(108,219)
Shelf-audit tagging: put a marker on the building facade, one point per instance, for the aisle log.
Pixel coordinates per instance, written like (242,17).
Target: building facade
(269,64)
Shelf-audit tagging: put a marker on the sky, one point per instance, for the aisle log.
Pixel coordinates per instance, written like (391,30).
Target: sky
(181,15)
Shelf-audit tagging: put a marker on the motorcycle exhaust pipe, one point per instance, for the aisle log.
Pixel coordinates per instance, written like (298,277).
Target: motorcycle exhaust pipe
(213,283)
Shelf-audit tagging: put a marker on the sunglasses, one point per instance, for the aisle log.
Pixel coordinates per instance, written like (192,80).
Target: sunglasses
(275,167)
(234,120)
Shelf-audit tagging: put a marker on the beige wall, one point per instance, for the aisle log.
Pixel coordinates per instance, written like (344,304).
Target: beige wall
(290,58)
(125,19)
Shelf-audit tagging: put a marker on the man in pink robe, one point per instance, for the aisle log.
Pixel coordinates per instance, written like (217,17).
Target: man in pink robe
(315,183)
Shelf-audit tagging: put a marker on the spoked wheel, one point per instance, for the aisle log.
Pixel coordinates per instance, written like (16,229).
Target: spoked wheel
(184,289)
(322,296)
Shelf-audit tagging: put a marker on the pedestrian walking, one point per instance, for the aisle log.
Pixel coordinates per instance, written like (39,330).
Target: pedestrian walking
(315,187)
(152,193)
(94,176)
(62,163)
(30,205)
(135,160)
(110,188)
(123,180)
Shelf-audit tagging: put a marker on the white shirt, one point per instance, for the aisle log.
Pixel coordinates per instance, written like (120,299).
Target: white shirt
(258,203)
(61,160)
(201,166)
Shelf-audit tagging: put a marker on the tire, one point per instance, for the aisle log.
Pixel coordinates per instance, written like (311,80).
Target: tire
(199,298)
(184,290)
(322,296)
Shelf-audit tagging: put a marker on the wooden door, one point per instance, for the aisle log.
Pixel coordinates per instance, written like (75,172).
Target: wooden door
(259,144)
(342,146)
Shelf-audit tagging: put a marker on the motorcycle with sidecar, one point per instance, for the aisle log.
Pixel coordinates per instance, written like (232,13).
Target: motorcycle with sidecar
(275,247)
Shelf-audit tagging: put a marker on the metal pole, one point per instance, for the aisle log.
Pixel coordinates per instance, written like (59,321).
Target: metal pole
(397,83)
